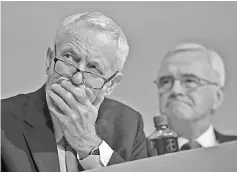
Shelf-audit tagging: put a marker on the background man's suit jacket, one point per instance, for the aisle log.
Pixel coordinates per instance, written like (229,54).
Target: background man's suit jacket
(28,143)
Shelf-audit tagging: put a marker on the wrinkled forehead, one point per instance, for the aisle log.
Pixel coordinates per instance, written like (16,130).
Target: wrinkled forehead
(82,34)
(189,62)
(88,41)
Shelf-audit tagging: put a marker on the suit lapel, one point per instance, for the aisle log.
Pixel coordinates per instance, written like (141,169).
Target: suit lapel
(43,149)
(39,134)
(221,138)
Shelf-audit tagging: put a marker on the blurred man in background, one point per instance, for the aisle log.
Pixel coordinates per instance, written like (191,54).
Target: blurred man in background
(68,125)
(190,84)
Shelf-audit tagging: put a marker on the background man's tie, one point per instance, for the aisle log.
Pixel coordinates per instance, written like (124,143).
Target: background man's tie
(190,145)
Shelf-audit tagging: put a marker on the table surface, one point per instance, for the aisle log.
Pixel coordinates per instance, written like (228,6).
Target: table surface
(221,158)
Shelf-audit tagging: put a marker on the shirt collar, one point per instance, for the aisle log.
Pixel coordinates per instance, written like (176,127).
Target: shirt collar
(207,139)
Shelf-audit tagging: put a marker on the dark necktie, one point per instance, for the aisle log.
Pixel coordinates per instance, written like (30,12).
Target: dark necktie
(190,145)
(71,159)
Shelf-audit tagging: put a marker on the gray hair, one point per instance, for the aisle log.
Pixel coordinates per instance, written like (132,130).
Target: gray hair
(214,58)
(104,23)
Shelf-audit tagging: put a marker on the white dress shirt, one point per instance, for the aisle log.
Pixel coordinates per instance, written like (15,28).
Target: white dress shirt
(90,162)
(207,139)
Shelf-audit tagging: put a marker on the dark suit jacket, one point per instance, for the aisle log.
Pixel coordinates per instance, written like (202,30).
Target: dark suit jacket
(28,143)
(221,138)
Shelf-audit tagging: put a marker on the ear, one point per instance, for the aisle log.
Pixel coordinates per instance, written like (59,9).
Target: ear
(218,99)
(49,59)
(113,83)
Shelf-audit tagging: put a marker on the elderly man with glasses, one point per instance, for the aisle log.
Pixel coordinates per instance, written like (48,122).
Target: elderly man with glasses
(190,86)
(68,125)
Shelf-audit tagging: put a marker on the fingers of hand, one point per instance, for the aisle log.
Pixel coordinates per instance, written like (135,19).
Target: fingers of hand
(60,103)
(60,116)
(65,95)
(77,92)
(77,99)
(90,94)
